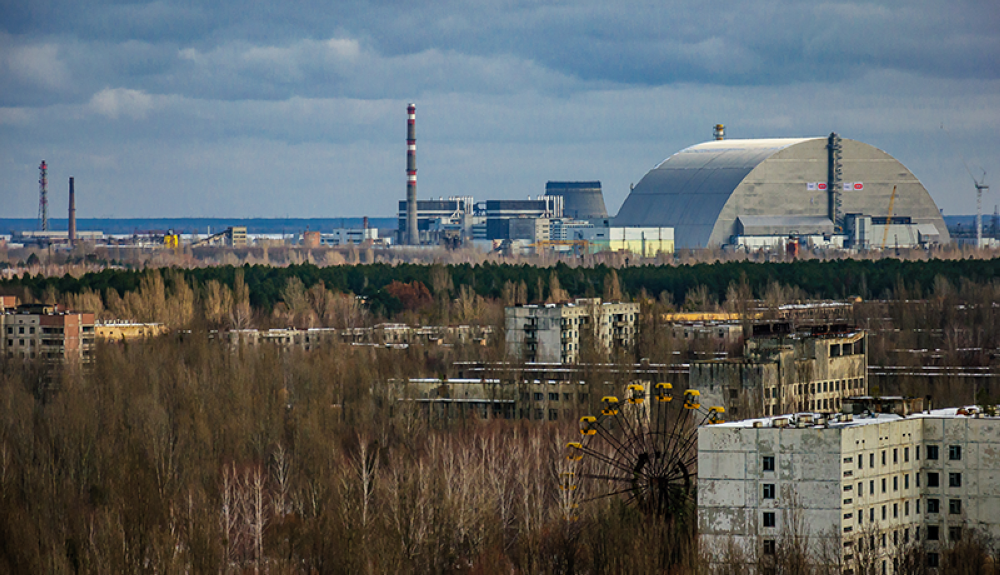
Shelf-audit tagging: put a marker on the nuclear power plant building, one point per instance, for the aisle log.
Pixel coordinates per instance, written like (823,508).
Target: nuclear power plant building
(581,200)
(833,191)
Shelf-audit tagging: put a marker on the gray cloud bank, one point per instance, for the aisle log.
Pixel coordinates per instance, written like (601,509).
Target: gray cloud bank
(183,108)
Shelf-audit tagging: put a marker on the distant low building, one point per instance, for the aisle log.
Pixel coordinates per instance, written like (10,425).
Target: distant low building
(389,334)
(32,237)
(233,236)
(645,242)
(126,331)
(353,236)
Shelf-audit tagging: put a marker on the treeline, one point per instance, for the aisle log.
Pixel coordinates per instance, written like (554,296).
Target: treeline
(816,279)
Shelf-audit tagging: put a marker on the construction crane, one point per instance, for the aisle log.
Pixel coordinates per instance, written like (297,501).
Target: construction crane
(888,217)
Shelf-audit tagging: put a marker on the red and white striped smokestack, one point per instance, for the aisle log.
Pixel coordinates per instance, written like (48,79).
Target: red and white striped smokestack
(72,213)
(412,235)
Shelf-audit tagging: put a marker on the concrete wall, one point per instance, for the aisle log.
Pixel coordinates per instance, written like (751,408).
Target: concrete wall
(851,484)
(731,483)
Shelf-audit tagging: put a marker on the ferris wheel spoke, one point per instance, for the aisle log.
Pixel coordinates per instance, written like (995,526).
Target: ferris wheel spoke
(606,434)
(678,420)
(671,453)
(608,460)
(605,477)
(627,428)
(643,453)
(612,494)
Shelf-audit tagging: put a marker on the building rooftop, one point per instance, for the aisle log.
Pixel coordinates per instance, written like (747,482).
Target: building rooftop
(812,420)
(578,302)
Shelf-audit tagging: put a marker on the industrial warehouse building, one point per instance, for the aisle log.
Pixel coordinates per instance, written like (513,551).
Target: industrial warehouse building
(861,490)
(831,192)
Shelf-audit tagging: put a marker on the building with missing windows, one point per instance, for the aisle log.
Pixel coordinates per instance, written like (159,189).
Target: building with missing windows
(785,369)
(46,332)
(863,488)
(554,333)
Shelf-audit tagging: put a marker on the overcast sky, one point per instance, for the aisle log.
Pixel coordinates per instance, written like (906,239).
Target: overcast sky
(297,108)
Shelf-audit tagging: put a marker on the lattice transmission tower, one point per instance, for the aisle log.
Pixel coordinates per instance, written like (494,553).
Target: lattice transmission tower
(43,197)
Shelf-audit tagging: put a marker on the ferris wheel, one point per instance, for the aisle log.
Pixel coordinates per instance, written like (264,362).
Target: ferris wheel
(642,450)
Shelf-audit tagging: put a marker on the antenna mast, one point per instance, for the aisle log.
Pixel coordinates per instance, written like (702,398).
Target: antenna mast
(980,188)
(43,197)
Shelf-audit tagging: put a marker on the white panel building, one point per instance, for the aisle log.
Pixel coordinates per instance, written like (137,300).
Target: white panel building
(862,488)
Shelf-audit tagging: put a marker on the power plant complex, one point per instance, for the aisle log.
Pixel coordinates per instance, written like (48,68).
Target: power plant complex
(752,193)
(817,193)
(781,194)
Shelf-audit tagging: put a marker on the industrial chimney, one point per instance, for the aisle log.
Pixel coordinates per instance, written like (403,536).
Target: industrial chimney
(720,132)
(72,213)
(412,235)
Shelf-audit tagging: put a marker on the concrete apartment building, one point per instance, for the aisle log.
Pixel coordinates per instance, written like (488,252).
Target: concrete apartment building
(33,331)
(809,370)
(863,488)
(553,333)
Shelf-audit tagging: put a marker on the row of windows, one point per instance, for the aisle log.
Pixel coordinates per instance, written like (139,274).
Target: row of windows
(828,386)
(553,396)
(933,480)
(20,330)
(954,454)
(818,404)
(933,507)
(858,347)
(933,533)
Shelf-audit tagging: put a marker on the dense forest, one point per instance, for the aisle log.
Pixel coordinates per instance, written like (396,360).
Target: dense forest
(833,279)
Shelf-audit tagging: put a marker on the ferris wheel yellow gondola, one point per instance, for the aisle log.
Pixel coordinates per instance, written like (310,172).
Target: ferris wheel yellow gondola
(663,394)
(610,405)
(636,393)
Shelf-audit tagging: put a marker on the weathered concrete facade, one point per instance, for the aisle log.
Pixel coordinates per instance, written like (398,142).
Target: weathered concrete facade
(862,489)
(552,333)
(492,399)
(784,374)
(44,331)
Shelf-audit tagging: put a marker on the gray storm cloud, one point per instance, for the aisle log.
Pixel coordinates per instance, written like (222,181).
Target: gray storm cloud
(230,108)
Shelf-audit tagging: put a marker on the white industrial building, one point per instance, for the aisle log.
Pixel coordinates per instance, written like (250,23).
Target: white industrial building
(862,488)
(823,191)
(551,333)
